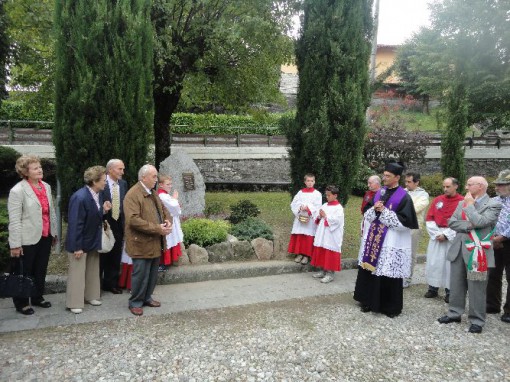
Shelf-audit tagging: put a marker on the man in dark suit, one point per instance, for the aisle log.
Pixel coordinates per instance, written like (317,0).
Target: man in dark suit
(114,192)
(471,253)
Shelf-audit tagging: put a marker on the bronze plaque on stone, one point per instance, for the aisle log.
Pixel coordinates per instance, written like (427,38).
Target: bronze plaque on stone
(189,181)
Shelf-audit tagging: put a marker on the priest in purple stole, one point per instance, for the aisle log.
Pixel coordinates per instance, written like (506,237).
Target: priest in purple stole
(385,253)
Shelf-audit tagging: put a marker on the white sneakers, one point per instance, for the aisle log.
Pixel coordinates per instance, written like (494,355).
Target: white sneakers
(94,302)
(327,279)
(76,310)
(298,258)
(319,275)
(305,260)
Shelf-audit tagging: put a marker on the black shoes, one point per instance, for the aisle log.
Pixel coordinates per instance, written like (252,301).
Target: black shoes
(365,308)
(430,294)
(114,290)
(447,298)
(506,317)
(27,310)
(42,304)
(475,329)
(448,320)
(492,310)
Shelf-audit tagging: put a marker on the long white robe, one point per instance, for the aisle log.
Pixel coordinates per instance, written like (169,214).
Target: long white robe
(395,256)
(438,268)
(331,236)
(313,200)
(172,205)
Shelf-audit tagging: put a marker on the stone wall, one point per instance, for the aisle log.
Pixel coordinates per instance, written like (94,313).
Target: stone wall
(275,171)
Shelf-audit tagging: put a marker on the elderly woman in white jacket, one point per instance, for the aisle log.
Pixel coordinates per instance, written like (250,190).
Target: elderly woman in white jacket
(174,238)
(32,228)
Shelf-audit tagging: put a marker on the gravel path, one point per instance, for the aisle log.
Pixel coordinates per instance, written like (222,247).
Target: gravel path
(310,339)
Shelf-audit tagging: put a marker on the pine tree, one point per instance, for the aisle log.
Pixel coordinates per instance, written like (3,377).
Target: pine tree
(332,56)
(452,143)
(103,105)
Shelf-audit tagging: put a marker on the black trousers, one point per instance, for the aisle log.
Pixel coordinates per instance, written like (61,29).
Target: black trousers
(495,282)
(109,266)
(35,263)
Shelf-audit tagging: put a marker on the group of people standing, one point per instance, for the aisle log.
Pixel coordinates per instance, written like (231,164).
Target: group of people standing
(139,219)
(468,250)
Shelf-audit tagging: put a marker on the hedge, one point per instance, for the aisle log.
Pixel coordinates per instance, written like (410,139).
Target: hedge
(182,123)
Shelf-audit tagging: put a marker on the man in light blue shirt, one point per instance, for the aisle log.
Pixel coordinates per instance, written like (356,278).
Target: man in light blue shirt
(501,242)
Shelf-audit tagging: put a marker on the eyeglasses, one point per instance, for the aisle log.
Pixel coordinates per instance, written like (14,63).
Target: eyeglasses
(472,184)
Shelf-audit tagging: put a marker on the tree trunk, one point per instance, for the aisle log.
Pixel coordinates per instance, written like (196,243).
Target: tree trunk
(165,104)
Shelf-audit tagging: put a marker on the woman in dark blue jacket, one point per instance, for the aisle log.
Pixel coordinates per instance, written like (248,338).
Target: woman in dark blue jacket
(85,221)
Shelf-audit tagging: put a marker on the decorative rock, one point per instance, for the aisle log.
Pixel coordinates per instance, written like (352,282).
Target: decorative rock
(197,254)
(221,252)
(231,238)
(192,201)
(243,251)
(184,259)
(263,248)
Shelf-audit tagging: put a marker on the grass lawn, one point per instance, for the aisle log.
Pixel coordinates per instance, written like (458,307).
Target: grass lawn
(275,210)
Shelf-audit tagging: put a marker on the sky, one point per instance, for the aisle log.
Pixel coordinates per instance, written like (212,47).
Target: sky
(399,19)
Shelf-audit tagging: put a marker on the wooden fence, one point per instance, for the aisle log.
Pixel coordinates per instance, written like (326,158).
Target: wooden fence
(10,135)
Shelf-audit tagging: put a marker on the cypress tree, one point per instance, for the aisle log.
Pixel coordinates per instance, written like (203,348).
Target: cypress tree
(4,52)
(332,56)
(452,142)
(103,105)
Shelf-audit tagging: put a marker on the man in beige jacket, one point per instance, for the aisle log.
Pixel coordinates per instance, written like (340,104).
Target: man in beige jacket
(147,224)
(420,202)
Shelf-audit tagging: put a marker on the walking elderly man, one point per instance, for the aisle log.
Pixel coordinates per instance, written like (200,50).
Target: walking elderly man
(501,241)
(147,224)
(441,237)
(420,202)
(374,185)
(471,253)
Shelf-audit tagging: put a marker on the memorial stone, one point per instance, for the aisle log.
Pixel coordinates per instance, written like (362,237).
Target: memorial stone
(187,180)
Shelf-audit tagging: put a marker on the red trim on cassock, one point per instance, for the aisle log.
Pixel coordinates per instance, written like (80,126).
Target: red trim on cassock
(326,224)
(333,203)
(125,276)
(308,190)
(301,244)
(326,259)
(171,255)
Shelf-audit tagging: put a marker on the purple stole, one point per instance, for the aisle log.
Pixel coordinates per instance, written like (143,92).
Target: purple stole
(377,231)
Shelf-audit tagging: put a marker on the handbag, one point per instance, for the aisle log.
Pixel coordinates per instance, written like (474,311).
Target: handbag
(107,238)
(16,285)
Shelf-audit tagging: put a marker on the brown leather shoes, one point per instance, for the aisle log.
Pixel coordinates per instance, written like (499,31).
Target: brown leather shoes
(136,311)
(153,304)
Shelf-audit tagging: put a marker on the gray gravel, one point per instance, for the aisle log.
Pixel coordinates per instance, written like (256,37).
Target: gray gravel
(322,338)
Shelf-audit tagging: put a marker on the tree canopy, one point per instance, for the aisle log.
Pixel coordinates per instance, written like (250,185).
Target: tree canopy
(466,44)
(216,51)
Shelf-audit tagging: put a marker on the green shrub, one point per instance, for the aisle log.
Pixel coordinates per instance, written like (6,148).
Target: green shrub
(491,190)
(213,208)
(4,236)
(360,184)
(8,174)
(251,228)
(204,232)
(20,110)
(433,184)
(266,123)
(243,210)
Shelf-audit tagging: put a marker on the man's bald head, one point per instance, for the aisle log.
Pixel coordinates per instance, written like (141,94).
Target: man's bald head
(477,186)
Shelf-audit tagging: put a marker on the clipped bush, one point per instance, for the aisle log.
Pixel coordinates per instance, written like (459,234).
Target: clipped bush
(4,236)
(20,110)
(204,232)
(243,210)
(213,209)
(251,228)
(8,174)
(433,184)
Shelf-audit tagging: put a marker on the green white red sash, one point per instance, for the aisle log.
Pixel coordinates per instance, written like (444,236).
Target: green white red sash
(477,263)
